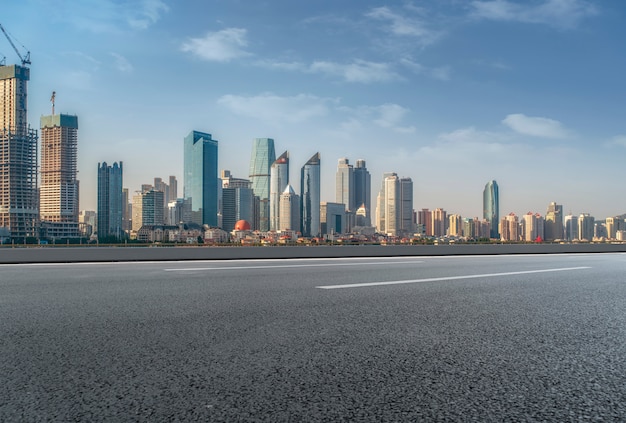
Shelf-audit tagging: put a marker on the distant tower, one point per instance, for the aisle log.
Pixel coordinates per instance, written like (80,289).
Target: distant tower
(406,206)
(392,205)
(201,178)
(362,190)
(380,205)
(344,184)
(279,179)
(289,210)
(237,201)
(110,201)
(310,197)
(173,189)
(553,226)
(58,193)
(263,155)
(491,207)
(19,214)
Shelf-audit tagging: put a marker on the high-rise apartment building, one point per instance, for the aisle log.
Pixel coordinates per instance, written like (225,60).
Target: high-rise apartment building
(344,185)
(263,155)
(571,227)
(173,194)
(586,224)
(509,228)
(553,225)
(381,219)
(19,213)
(455,225)
(392,205)
(201,184)
(110,201)
(439,222)
(310,197)
(58,192)
(279,179)
(491,207)
(363,192)
(425,220)
(532,227)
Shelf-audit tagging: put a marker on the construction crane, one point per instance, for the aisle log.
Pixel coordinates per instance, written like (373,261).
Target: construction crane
(54,96)
(25,60)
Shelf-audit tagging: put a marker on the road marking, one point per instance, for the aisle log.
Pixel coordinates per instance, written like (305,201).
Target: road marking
(282,266)
(448,278)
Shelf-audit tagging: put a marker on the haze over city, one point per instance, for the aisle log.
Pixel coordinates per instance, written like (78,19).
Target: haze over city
(450,93)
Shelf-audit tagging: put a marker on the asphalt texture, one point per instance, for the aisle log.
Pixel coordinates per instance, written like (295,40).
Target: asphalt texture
(259,341)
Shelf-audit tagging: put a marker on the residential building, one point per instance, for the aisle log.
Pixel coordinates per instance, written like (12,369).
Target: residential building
(532,227)
(455,225)
(380,205)
(201,184)
(509,228)
(439,222)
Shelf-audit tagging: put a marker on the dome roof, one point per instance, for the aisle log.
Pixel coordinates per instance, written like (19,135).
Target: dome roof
(242,225)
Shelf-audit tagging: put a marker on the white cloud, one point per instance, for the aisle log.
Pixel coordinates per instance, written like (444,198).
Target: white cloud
(358,71)
(535,126)
(148,13)
(403,25)
(441,73)
(559,13)
(390,116)
(276,109)
(220,46)
(618,140)
(121,63)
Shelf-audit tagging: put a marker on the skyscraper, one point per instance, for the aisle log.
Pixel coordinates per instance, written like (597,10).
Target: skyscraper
(362,190)
(237,201)
(406,206)
(553,225)
(263,155)
(58,193)
(201,178)
(344,184)
(289,210)
(392,205)
(19,214)
(491,207)
(110,199)
(279,179)
(586,224)
(310,196)
(173,189)
(380,205)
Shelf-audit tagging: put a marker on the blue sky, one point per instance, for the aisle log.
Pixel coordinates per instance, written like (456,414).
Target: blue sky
(452,93)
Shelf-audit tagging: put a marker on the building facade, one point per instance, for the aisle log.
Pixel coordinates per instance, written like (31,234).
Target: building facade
(553,226)
(310,197)
(110,201)
(363,192)
(491,207)
(344,185)
(289,210)
(263,155)
(19,212)
(201,184)
(279,179)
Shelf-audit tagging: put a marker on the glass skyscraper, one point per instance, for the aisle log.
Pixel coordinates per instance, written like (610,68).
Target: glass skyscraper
(491,207)
(201,178)
(110,201)
(310,197)
(279,179)
(362,190)
(263,155)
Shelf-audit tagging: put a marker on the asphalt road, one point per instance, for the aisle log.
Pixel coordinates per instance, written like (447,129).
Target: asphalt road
(487,338)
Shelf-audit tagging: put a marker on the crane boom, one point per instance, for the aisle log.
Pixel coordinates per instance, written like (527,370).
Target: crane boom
(25,60)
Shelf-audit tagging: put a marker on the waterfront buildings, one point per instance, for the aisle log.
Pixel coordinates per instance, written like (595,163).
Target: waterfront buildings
(201,184)
(263,155)
(491,207)
(310,197)
(110,201)
(279,179)
(19,213)
(553,225)
(58,192)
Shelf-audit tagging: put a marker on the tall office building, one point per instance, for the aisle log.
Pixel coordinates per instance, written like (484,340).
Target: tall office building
(586,224)
(571,227)
(110,201)
(310,197)
(406,206)
(553,225)
(237,201)
(344,185)
(363,191)
(491,207)
(201,184)
(173,189)
(19,214)
(58,193)
(279,179)
(392,205)
(263,155)
(380,205)
(289,210)
(152,212)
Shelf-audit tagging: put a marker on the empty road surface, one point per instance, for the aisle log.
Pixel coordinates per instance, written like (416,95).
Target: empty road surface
(484,338)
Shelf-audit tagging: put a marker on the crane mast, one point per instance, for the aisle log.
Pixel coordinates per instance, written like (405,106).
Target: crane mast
(25,60)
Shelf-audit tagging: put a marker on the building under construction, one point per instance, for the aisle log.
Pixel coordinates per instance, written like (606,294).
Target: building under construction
(18,157)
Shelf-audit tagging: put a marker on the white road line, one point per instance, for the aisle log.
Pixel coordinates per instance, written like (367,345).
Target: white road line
(448,278)
(280,266)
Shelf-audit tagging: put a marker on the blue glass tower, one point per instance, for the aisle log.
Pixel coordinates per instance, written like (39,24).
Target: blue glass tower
(491,207)
(110,201)
(310,197)
(201,177)
(263,155)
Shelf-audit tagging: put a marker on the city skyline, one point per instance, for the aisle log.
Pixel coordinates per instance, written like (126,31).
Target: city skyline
(457,93)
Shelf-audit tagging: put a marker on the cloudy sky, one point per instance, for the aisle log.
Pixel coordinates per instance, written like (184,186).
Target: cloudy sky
(452,93)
